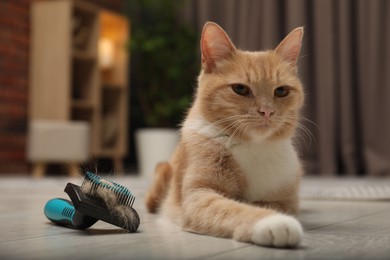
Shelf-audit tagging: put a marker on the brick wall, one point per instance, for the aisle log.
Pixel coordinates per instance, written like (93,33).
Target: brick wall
(14,46)
(14,75)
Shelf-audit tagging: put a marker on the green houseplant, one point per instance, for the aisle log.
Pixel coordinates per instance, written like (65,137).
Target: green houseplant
(164,61)
(164,65)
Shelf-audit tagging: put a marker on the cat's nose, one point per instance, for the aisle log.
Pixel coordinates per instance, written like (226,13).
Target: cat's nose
(266,112)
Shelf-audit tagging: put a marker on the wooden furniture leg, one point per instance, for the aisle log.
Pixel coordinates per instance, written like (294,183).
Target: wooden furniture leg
(73,170)
(39,169)
(118,164)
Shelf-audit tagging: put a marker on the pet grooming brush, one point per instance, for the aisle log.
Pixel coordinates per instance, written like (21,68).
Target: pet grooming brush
(96,199)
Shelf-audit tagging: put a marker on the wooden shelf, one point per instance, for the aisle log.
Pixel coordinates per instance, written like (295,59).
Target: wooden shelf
(66,80)
(85,26)
(84,56)
(82,104)
(109,85)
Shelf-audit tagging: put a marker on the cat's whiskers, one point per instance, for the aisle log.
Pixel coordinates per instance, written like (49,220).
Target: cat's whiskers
(236,131)
(310,121)
(302,130)
(233,130)
(225,131)
(297,134)
(237,127)
(301,57)
(227,128)
(242,123)
(306,131)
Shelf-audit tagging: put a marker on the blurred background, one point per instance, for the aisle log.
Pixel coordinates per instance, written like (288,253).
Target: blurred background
(84,83)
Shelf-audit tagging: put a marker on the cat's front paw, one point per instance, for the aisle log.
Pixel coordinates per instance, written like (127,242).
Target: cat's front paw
(277,230)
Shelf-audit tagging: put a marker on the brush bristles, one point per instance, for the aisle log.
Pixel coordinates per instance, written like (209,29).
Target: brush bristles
(110,192)
(118,199)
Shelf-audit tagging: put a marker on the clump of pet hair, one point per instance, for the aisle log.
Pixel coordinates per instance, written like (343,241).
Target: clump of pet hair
(104,192)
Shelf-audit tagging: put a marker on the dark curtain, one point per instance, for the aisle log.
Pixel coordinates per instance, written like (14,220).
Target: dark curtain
(345,67)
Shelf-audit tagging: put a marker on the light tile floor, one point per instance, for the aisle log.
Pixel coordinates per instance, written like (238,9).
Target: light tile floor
(335,229)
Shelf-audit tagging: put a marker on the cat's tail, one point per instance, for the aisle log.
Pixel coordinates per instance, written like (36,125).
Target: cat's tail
(158,191)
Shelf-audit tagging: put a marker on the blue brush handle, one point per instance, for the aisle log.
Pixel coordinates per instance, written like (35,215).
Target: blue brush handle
(60,211)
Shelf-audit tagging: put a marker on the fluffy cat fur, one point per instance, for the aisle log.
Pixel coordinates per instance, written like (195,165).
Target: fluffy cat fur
(235,172)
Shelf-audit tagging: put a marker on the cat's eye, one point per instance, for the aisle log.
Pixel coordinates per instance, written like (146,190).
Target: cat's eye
(281,91)
(241,90)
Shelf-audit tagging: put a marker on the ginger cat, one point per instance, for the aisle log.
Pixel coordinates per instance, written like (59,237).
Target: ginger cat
(235,172)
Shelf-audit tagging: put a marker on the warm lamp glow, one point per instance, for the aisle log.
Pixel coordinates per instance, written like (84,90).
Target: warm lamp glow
(106,53)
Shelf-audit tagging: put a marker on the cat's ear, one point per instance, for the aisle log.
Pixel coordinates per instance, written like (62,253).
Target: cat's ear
(290,47)
(215,45)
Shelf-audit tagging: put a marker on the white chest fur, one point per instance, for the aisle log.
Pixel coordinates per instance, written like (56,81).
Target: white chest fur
(267,166)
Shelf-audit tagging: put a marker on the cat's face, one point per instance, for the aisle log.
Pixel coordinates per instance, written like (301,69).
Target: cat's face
(250,95)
